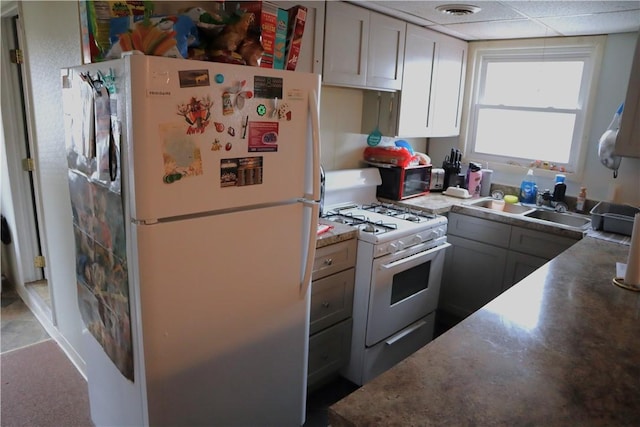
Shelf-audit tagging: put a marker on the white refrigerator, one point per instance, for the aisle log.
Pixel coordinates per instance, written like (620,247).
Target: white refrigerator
(194,187)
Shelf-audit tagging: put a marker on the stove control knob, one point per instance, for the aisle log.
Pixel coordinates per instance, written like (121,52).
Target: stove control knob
(398,245)
(393,247)
(417,239)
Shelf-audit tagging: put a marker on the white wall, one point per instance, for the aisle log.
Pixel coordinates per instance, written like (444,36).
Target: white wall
(52,41)
(612,87)
(342,143)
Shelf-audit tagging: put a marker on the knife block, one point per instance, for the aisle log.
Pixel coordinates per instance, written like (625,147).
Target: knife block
(452,177)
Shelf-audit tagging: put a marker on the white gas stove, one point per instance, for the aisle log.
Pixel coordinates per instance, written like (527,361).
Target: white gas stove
(350,198)
(400,259)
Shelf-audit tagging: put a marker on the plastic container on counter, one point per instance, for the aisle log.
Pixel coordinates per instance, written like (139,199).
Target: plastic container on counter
(613,218)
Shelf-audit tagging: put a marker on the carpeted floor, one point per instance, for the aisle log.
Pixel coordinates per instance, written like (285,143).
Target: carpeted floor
(42,388)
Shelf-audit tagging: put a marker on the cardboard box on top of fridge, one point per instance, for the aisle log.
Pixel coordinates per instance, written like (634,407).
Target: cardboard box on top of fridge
(280,43)
(268,23)
(297,20)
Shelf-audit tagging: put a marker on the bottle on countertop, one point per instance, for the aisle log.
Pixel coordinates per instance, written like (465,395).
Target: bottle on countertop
(528,188)
(559,189)
(582,198)
(473,180)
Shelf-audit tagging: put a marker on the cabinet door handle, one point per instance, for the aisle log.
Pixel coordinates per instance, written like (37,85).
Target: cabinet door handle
(325,304)
(328,261)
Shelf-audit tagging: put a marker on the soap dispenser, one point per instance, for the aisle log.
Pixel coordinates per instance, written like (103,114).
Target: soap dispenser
(559,189)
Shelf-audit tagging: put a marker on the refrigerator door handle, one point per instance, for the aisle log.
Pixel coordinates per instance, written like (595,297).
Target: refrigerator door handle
(315,141)
(311,246)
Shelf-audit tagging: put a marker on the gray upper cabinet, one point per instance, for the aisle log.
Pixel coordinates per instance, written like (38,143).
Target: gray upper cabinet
(433,84)
(628,140)
(448,88)
(415,118)
(386,52)
(430,102)
(362,48)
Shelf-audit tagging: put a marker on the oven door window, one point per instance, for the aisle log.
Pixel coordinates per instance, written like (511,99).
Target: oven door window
(404,288)
(410,282)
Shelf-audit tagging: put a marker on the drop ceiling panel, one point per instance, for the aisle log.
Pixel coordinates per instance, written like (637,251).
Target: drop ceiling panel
(539,9)
(518,19)
(489,11)
(602,23)
(521,28)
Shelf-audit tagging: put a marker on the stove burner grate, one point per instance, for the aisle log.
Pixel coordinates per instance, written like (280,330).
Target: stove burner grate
(400,212)
(361,222)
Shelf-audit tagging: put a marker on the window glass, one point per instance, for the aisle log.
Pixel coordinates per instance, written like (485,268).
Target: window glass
(525,134)
(529,101)
(533,84)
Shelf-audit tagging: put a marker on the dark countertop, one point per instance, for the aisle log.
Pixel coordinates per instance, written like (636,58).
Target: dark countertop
(561,347)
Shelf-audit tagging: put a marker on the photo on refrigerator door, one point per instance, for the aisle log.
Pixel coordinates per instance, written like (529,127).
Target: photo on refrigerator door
(263,136)
(112,329)
(181,155)
(101,269)
(240,172)
(196,112)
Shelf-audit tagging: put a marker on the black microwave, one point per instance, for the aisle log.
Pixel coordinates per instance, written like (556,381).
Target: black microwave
(400,183)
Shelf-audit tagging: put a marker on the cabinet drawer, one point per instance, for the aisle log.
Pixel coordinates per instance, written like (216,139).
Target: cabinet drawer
(329,351)
(331,300)
(478,229)
(538,243)
(334,258)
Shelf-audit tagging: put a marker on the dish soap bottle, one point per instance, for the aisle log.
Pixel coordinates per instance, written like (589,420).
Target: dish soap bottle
(582,197)
(528,188)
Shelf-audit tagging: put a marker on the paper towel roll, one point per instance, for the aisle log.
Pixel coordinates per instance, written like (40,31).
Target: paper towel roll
(632,276)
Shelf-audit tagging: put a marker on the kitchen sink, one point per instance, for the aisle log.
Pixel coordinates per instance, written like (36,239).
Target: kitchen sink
(559,218)
(503,207)
(535,213)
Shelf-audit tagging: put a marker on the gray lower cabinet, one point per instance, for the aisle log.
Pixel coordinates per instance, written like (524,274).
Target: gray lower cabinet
(519,266)
(473,276)
(488,257)
(331,310)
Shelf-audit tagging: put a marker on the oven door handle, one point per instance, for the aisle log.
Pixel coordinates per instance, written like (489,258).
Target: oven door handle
(414,256)
(403,333)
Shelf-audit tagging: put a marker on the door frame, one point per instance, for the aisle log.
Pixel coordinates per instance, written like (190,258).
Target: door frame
(24,198)
(17,146)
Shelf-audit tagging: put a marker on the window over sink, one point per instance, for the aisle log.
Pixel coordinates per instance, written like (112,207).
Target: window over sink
(530,101)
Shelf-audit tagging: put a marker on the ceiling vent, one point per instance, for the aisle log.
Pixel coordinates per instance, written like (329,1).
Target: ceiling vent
(458,9)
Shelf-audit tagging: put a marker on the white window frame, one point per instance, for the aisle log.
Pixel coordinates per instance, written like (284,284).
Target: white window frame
(589,49)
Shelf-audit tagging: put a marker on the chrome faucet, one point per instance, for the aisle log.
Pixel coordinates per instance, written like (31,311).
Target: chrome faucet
(545,199)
